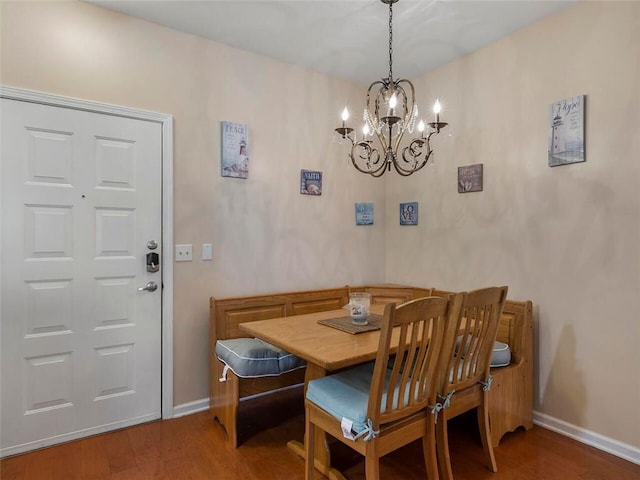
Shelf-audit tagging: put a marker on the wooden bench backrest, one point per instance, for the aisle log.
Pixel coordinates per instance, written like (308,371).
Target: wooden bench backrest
(317,301)
(228,313)
(392,293)
(515,321)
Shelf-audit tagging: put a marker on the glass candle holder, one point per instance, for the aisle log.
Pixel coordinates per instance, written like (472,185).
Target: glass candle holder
(359,307)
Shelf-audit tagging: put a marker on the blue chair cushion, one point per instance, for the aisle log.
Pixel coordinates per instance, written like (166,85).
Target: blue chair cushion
(252,357)
(346,395)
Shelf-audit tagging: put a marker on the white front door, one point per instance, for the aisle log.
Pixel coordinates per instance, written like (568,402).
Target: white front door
(81,343)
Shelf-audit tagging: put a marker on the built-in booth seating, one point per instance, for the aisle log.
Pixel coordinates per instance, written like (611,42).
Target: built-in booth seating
(236,374)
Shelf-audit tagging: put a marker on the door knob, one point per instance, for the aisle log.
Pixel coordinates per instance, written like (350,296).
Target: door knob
(149,287)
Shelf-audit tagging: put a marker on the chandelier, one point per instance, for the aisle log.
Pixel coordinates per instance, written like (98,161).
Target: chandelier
(390,112)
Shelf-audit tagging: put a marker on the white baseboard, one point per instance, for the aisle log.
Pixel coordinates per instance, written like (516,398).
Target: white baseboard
(191,407)
(606,444)
(203,404)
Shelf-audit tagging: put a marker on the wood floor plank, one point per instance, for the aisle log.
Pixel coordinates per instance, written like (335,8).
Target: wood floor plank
(95,463)
(40,467)
(68,462)
(14,468)
(194,447)
(119,452)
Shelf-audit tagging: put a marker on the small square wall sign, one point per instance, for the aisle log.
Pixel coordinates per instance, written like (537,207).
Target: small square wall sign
(364,213)
(409,213)
(470,178)
(310,182)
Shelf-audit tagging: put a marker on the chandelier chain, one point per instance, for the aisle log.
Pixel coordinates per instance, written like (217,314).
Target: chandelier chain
(390,41)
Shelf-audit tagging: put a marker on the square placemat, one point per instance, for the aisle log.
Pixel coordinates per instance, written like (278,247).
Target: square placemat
(344,324)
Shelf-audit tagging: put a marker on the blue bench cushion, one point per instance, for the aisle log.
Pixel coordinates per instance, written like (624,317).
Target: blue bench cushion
(501,356)
(252,357)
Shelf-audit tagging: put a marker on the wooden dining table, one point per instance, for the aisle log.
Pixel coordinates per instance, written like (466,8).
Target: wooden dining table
(325,349)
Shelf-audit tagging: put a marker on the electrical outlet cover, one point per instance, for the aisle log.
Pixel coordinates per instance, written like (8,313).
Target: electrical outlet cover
(184,253)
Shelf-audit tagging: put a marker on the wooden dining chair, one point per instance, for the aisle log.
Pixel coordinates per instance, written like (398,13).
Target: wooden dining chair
(378,407)
(465,378)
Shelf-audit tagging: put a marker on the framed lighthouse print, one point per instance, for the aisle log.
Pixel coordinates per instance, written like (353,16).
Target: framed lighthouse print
(235,150)
(566,131)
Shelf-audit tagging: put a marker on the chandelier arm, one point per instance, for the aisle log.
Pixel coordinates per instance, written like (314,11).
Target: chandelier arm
(368,113)
(377,82)
(416,144)
(372,153)
(382,139)
(406,173)
(408,82)
(418,165)
(351,137)
(409,109)
(378,173)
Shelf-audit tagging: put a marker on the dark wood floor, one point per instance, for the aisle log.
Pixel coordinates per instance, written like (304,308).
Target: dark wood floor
(193,447)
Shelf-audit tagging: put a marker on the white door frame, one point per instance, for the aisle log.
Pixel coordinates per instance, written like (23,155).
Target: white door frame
(166,121)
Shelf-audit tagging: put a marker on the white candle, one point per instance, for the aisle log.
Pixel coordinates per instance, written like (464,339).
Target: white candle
(436,110)
(392,103)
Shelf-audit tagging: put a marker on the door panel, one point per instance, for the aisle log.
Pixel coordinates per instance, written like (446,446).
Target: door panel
(81,346)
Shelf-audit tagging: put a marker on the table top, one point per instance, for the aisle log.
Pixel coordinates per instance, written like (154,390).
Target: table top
(324,346)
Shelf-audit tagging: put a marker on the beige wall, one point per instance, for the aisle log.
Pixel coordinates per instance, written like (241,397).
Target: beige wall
(566,237)
(266,236)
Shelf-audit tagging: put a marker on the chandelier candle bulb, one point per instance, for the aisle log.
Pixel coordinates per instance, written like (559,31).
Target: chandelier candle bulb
(393,101)
(421,128)
(345,131)
(436,110)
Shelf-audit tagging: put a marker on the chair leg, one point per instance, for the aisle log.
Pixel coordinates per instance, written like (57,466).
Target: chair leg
(429,449)
(372,461)
(309,450)
(442,448)
(485,433)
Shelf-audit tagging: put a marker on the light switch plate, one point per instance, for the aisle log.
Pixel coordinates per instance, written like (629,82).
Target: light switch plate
(184,253)
(207,251)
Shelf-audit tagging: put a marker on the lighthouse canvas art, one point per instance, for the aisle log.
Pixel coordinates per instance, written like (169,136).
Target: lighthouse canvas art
(235,150)
(566,131)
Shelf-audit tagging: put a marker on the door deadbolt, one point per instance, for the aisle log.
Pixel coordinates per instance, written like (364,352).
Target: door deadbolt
(153,262)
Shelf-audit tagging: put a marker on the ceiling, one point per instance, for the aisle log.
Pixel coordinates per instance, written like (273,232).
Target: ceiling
(347,38)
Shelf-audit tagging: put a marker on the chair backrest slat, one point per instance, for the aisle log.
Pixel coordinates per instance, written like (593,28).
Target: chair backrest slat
(469,356)
(405,380)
